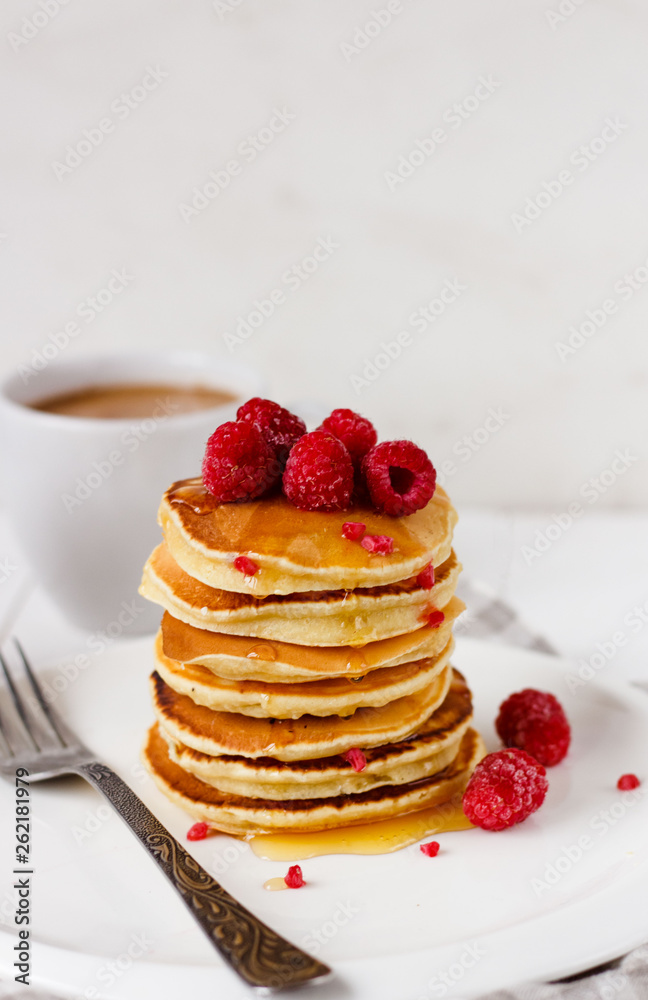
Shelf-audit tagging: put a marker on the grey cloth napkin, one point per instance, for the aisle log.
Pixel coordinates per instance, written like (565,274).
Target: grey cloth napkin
(487,617)
(626,981)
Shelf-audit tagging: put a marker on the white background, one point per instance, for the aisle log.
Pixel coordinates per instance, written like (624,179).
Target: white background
(357,110)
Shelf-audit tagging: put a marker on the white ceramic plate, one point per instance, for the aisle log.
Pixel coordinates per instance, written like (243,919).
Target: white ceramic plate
(562,892)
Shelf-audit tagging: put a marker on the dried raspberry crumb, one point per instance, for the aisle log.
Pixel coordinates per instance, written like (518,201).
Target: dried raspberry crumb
(425,578)
(319,473)
(279,426)
(353,530)
(627,782)
(356,759)
(198,831)
(434,618)
(431,849)
(294,879)
(381,545)
(400,477)
(239,464)
(357,433)
(246,566)
(505,788)
(536,722)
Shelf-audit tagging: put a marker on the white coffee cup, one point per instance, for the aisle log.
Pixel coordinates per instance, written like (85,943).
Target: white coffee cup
(82,493)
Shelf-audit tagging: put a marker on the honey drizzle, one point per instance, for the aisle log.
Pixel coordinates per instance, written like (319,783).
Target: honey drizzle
(193,494)
(275,884)
(381,837)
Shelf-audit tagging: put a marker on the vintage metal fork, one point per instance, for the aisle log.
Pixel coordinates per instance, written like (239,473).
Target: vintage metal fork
(36,738)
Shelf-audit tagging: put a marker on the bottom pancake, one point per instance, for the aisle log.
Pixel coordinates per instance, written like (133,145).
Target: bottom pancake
(240,815)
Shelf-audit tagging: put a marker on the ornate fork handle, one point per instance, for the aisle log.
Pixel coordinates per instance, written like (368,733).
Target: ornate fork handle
(257,953)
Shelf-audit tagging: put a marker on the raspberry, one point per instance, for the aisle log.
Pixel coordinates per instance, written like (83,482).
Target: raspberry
(280,427)
(239,464)
(355,432)
(353,530)
(246,566)
(627,782)
(400,477)
(425,579)
(431,849)
(535,722)
(433,618)
(505,788)
(381,545)
(198,831)
(319,473)
(356,759)
(294,879)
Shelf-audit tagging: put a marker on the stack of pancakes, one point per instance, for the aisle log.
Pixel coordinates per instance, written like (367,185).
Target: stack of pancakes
(265,682)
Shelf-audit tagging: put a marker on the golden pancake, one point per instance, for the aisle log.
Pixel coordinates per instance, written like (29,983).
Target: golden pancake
(310,736)
(242,658)
(241,815)
(334,696)
(314,618)
(296,550)
(431,749)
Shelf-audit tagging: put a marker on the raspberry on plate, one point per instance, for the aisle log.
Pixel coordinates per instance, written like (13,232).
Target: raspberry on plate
(536,722)
(198,831)
(431,849)
(355,432)
(319,473)
(399,476)
(279,426)
(505,788)
(239,463)
(294,879)
(628,782)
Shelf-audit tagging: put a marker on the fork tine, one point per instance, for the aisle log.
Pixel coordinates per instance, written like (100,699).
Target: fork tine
(48,712)
(17,702)
(5,746)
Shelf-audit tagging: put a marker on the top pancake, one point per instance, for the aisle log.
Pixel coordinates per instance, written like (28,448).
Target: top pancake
(296,550)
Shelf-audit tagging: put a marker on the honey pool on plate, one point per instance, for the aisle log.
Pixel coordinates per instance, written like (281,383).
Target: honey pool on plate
(382,837)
